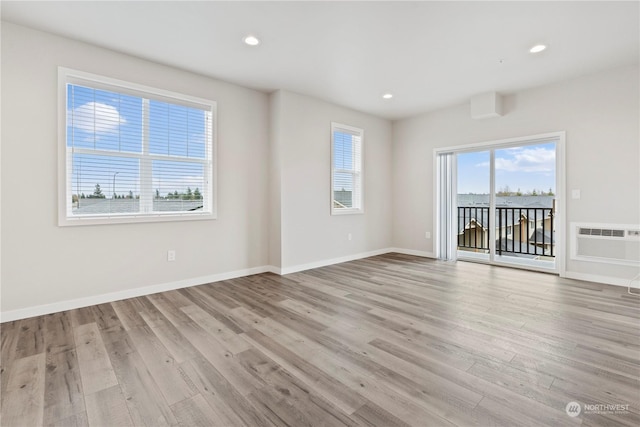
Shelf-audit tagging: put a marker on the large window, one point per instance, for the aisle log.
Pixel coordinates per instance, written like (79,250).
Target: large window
(131,153)
(346,169)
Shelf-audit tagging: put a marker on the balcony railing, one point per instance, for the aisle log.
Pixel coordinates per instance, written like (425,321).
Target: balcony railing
(520,231)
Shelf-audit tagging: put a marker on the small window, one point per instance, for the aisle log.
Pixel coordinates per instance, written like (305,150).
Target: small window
(346,169)
(130,153)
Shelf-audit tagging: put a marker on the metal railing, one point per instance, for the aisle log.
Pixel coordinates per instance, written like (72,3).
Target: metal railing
(517,230)
(473,228)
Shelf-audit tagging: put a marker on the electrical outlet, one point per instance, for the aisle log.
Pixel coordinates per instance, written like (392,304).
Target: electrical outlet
(427,234)
(171,255)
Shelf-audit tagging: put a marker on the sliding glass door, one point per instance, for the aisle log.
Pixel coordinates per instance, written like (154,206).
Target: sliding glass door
(504,203)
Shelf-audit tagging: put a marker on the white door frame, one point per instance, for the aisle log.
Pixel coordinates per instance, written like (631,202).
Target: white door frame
(560,212)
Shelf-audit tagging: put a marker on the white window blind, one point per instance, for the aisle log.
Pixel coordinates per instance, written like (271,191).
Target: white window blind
(135,154)
(346,169)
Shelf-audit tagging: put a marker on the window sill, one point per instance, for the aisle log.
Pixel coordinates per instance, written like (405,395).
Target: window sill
(347,211)
(133,219)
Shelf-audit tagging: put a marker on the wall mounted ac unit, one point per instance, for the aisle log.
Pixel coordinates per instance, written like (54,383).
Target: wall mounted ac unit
(606,243)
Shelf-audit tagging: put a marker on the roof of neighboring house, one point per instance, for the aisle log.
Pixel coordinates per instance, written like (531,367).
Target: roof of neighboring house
(479,216)
(506,201)
(103,206)
(508,245)
(540,237)
(478,209)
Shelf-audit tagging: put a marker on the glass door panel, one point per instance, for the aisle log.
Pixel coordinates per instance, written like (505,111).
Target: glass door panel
(525,180)
(473,205)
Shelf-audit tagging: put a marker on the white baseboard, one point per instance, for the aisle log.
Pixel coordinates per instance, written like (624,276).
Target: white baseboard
(55,307)
(273,269)
(331,261)
(608,280)
(413,252)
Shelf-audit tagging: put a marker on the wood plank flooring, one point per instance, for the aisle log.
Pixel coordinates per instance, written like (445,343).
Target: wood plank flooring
(392,340)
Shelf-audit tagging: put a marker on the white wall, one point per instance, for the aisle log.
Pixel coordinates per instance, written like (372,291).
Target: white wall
(600,114)
(45,264)
(310,234)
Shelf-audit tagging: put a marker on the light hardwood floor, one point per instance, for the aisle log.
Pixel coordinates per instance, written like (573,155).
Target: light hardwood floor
(392,340)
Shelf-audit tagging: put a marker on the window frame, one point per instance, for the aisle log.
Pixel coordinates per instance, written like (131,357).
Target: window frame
(358,174)
(65,218)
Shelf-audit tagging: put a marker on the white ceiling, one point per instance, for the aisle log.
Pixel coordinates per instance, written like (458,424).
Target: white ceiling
(428,54)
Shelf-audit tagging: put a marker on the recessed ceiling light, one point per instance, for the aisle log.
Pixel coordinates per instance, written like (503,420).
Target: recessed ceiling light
(387,96)
(537,48)
(252,40)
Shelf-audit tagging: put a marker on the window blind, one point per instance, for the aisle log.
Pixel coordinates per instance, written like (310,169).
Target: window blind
(346,172)
(136,156)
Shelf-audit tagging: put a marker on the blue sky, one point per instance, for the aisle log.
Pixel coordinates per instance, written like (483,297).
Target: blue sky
(113,122)
(526,168)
